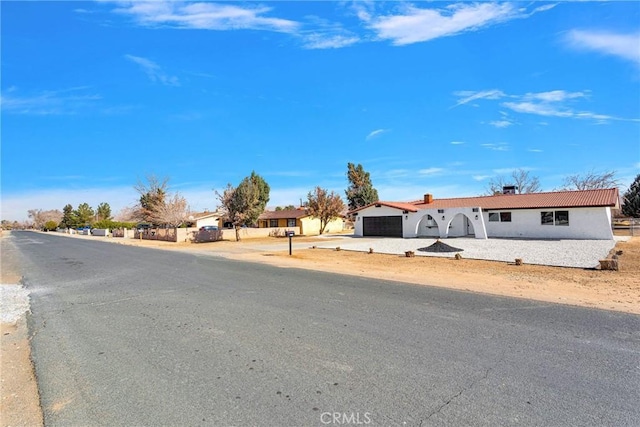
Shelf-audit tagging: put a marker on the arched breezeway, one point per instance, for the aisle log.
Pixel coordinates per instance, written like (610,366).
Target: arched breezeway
(461,226)
(428,227)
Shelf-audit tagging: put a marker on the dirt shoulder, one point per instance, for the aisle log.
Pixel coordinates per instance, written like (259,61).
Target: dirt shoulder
(608,290)
(19,398)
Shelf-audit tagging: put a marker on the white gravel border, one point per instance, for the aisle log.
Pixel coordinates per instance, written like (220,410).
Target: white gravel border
(14,302)
(561,253)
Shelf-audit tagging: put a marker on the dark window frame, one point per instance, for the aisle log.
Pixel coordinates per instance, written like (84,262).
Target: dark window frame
(273,221)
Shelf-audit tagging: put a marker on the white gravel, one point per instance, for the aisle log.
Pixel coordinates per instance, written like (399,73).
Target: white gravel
(14,302)
(562,253)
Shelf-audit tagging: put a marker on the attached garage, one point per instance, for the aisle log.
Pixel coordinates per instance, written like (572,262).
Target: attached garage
(385,226)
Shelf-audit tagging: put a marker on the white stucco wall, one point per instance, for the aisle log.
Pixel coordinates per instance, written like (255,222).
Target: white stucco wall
(381,211)
(450,223)
(584,223)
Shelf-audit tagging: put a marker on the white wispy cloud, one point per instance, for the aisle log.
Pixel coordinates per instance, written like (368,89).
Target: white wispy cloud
(205,16)
(154,71)
(457,142)
(413,24)
(431,171)
(554,103)
(534,150)
(481,177)
(555,95)
(501,123)
(467,96)
(625,46)
(376,133)
(321,40)
(58,102)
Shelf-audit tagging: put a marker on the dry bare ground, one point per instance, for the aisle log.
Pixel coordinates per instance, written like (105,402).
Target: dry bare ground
(19,399)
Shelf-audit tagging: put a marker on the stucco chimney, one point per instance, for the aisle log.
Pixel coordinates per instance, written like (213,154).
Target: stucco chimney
(428,198)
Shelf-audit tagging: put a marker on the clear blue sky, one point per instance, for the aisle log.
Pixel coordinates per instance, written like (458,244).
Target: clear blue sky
(429,96)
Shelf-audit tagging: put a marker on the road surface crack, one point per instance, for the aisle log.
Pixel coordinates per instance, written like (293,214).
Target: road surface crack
(440,407)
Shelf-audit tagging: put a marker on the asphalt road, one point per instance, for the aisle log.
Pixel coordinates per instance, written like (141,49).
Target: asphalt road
(132,336)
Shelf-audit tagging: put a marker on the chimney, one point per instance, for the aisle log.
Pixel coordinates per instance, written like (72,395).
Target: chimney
(509,189)
(428,198)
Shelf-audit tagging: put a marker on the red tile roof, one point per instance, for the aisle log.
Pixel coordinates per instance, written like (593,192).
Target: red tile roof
(284,214)
(397,205)
(557,199)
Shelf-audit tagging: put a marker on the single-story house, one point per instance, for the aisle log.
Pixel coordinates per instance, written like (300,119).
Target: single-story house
(290,218)
(200,219)
(553,215)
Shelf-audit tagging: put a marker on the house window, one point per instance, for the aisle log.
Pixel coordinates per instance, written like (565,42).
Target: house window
(554,218)
(273,223)
(562,217)
(440,210)
(291,222)
(499,216)
(546,218)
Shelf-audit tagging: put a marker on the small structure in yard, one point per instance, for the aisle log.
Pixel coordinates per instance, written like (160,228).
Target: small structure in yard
(438,247)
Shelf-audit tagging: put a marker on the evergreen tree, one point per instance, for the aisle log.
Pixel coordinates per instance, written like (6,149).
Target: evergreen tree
(103,212)
(631,199)
(84,215)
(360,191)
(69,219)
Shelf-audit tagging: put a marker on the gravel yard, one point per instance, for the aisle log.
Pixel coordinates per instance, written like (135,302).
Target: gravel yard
(561,253)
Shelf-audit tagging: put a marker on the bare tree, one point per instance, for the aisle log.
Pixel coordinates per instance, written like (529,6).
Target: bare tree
(40,217)
(173,212)
(325,206)
(590,181)
(152,195)
(128,214)
(520,178)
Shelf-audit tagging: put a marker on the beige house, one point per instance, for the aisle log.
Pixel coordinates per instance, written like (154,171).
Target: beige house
(297,218)
(200,219)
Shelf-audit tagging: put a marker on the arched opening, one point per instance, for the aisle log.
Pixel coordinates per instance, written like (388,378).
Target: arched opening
(461,226)
(428,227)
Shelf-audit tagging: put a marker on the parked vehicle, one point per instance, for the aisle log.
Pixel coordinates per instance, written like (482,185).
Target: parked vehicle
(209,228)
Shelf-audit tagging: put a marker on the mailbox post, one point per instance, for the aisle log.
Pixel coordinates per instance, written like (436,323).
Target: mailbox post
(290,235)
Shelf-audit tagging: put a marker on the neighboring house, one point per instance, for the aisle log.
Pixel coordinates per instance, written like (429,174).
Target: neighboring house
(554,215)
(291,218)
(200,219)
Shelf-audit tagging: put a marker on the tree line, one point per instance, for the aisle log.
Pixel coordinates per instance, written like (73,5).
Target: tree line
(243,204)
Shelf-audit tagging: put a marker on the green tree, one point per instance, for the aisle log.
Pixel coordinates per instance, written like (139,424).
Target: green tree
(263,190)
(103,212)
(243,204)
(50,225)
(631,199)
(69,219)
(84,215)
(325,206)
(360,191)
